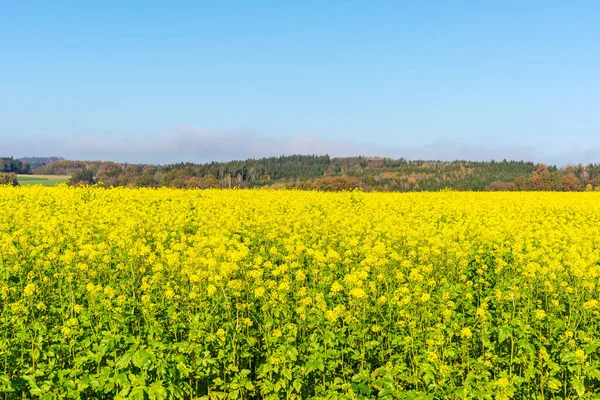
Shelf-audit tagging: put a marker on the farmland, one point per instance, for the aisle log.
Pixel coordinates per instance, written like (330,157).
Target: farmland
(44,180)
(168,293)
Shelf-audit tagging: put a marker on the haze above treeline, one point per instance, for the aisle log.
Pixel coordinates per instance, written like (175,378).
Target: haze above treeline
(313,172)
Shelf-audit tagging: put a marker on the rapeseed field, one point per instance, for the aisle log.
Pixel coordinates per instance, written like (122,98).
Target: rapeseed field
(248,294)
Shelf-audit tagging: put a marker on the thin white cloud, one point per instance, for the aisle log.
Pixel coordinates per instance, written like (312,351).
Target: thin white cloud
(204,145)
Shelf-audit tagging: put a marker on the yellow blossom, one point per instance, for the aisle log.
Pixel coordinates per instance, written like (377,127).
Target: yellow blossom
(466,333)
(211,289)
(336,288)
(30,289)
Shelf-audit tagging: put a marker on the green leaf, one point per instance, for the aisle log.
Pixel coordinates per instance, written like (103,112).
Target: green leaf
(140,357)
(138,393)
(504,333)
(578,386)
(123,361)
(156,391)
(557,383)
(5,384)
(594,374)
(34,388)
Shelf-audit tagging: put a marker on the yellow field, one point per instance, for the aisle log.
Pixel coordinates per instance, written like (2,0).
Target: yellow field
(142,293)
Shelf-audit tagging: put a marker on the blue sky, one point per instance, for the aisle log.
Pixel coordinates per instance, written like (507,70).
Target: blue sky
(198,81)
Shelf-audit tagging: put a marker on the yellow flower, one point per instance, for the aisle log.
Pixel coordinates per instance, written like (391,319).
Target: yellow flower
(331,315)
(568,334)
(498,295)
(580,354)
(540,314)
(481,314)
(30,289)
(503,382)
(211,289)
(90,287)
(590,304)
(336,288)
(466,333)
(306,301)
(300,275)
(359,293)
(235,284)
(432,356)
(284,287)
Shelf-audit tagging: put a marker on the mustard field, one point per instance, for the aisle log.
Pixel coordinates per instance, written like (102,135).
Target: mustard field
(251,294)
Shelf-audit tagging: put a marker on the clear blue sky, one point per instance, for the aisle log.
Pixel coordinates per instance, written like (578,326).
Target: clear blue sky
(208,80)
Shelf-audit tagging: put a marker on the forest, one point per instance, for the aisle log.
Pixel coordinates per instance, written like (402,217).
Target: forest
(15,166)
(311,172)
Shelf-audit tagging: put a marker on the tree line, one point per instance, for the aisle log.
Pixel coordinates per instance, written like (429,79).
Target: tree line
(13,165)
(311,172)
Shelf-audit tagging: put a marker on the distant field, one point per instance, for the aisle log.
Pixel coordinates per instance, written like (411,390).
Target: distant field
(44,180)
